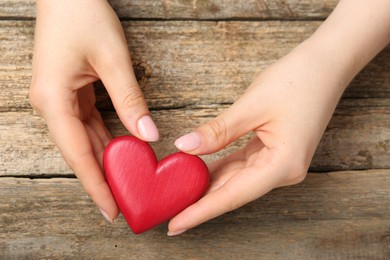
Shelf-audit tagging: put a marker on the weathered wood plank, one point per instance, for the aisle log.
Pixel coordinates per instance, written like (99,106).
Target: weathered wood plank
(340,215)
(358,137)
(172,59)
(201,9)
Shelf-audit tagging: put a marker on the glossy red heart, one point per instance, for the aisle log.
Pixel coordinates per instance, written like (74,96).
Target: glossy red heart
(149,192)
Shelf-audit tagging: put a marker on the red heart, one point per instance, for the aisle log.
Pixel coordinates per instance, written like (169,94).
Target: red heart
(149,192)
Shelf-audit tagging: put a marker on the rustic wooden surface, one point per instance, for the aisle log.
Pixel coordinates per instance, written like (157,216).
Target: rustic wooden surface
(192,60)
(224,55)
(343,215)
(171,60)
(196,9)
(356,138)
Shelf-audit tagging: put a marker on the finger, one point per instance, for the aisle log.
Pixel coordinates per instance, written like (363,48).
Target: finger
(215,166)
(223,174)
(246,185)
(222,170)
(254,145)
(98,135)
(73,141)
(97,144)
(225,168)
(116,72)
(225,128)
(98,124)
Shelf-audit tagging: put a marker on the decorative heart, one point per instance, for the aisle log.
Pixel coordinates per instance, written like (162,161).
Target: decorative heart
(149,192)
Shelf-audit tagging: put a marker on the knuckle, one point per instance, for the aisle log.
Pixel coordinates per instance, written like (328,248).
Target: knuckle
(133,98)
(296,166)
(298,171)
(217,129)
(298,178)
(41,96)
(35,97)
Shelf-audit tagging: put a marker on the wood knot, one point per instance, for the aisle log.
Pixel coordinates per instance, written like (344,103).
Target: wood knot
(142,71)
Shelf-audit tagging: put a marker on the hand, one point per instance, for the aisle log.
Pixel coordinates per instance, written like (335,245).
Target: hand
(287,107)
(76,43)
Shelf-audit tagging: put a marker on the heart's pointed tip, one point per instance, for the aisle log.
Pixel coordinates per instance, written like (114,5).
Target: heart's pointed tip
(140,230)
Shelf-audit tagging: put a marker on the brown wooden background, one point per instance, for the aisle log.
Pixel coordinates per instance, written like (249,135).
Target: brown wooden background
(193,59)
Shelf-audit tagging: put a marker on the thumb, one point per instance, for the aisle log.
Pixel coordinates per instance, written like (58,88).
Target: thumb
(220,131)
(127,97)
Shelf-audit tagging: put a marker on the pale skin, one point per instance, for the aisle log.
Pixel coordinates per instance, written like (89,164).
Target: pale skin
(76,43)
(287,107)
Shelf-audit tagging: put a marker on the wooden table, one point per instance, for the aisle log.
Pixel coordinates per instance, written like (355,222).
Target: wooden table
(193,59)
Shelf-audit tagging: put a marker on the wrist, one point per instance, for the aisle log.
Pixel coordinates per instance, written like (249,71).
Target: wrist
(351,37)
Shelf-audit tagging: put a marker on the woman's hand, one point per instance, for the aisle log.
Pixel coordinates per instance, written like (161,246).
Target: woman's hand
(287,107)
(76,43)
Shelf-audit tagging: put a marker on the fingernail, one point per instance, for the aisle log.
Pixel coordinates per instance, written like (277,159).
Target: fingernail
(175,233)
(106,216)
(188,142)
(147,129)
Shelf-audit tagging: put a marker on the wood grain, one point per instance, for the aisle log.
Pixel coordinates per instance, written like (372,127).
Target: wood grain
(358,137)
(340,215)
(193,59)
(198,9)
(218,60)
(186,63)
